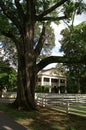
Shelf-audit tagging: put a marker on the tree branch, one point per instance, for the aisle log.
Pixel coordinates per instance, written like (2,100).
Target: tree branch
(52,59)
(30,9)
(52,18)
(20,10)
(10,35)
(10,15)
(59,59)
(40,42)
(51,9)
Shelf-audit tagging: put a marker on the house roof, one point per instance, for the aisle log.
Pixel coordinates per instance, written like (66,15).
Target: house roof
(51,72)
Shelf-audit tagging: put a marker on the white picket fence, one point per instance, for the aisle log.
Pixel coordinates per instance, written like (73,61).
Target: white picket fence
(70,103)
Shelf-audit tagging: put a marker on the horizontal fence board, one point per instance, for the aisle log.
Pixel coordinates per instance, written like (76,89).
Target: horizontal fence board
(69,103)
(78,112)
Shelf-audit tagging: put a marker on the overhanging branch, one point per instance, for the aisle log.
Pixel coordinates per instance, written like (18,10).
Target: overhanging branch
(59,59)
(19,10)
(51,9)
(40,42)
(52,18)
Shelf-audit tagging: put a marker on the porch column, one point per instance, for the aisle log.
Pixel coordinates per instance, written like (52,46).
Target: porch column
(42,80)
(50,85)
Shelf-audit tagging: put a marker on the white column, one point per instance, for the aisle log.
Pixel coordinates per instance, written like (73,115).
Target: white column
(50,85)
(42,80)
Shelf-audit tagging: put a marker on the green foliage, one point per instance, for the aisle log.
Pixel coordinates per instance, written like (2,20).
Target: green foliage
(12,24)
(49,41)
(71,128)
(60,68)
(72,8)
(8,76)
(73,42)
(10,52)
(17,22)
(41,5)
(13,78)
(74,45)
(42,89)
(71,83)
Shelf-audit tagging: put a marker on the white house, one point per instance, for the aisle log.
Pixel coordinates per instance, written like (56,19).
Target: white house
(51,77)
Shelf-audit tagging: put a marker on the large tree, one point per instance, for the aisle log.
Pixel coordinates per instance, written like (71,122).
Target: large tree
(17,21)
(74,45)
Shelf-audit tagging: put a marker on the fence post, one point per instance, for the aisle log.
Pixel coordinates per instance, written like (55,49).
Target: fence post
(44,101)
(77,98)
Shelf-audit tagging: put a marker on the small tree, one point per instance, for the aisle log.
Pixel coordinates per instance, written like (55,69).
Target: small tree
(74,45)
(8,75)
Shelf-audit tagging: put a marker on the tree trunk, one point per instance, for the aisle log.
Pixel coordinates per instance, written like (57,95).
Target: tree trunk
(26,62)
(26,68)
(26,85)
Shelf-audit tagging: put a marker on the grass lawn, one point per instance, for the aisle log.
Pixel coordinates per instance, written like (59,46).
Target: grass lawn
(45,119)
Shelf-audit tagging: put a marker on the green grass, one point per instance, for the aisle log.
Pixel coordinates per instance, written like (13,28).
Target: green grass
(79,109)
(45,119)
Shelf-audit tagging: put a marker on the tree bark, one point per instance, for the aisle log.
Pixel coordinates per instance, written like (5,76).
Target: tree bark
(27,64)
(26,85)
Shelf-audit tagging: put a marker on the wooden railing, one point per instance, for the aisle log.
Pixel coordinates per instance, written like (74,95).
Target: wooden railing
(70,103)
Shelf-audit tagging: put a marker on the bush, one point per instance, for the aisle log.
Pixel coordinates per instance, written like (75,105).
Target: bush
(42,89)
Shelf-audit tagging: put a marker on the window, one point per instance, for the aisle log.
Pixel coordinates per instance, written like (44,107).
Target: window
(54,80)
(46,79)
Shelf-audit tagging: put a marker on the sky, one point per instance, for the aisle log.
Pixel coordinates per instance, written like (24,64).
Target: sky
(57,30)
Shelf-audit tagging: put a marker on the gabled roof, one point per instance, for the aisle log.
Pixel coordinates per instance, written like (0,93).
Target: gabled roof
(51,72)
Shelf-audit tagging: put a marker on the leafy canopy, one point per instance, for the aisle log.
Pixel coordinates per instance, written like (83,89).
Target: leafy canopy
(74,45)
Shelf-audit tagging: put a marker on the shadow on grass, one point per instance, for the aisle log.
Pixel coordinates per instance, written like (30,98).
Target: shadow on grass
(45,119)
(7,123)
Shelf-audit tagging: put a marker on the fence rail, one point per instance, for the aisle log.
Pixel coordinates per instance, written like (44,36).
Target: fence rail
(70,103)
